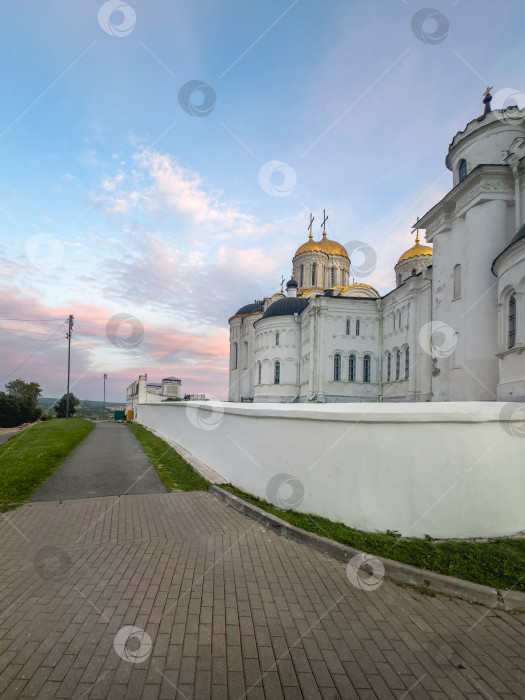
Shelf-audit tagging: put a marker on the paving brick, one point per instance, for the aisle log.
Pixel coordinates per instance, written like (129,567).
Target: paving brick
(231,610)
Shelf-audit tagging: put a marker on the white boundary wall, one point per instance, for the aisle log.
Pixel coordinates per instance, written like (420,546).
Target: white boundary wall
(442,469)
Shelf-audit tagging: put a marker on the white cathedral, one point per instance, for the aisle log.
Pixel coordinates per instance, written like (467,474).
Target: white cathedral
(453,329)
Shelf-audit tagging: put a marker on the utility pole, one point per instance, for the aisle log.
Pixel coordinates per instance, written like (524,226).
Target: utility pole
(104,404)
(68,336)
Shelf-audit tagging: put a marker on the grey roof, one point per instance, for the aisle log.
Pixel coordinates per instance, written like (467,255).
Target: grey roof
(249,309)
(520,235)
(286,307)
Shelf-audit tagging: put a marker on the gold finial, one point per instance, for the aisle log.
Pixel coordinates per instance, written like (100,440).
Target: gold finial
(310,226)
(487,91)
(417,233)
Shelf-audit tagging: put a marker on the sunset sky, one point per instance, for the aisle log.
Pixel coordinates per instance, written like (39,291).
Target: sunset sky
(117,201)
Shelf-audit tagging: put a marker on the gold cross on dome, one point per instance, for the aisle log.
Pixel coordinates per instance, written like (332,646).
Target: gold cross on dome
(282,285)
(487,91)
(311,224)
(325,219)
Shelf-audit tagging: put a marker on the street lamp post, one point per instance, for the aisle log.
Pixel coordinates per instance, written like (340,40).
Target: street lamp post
(104,404)
(68,336)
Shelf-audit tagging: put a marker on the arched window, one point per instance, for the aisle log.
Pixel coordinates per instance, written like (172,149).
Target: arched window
(259,372)
(457,281)
(245,355)
(337,367)
(414,271)
(277,373)
(235,353)
(347,326)
(277,337)
(367,360)
(357,327)
(462,169)
(389,367)
(407,363)
(394,320)
(332,276)
(314,274)
(351,368)
(512,321)
(301,276)
(398,364)
(399,319)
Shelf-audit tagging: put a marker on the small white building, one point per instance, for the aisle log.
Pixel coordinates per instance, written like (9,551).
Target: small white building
(143,391)
(453,329)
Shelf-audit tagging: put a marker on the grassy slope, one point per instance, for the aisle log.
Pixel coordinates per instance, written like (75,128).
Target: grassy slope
(174,471)
(27,459)
(499,563)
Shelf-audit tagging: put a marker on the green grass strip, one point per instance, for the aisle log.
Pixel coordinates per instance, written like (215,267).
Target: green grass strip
(174,471)
(28,458)
(499,563)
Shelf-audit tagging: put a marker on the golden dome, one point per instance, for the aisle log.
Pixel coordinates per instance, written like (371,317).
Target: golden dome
(360,286)
(323,246)
(417,249)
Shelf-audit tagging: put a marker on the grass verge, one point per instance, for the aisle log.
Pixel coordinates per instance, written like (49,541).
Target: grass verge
(27,459)
(174,471)
(499,563)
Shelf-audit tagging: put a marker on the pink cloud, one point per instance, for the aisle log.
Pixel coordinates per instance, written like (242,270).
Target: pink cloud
(200,360)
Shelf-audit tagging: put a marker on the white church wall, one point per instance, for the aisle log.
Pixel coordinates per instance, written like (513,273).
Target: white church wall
(409,305)
(484,142)
(511,281)
(465,365)
(268,352)
(446,470)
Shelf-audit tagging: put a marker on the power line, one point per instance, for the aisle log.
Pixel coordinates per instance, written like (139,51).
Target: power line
(34,353)
(25,337)
(3,328)
(32,320)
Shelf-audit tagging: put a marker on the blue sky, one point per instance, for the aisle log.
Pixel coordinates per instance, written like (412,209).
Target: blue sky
(158,214)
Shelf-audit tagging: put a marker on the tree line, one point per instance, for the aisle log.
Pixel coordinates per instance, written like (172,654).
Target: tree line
(19,404)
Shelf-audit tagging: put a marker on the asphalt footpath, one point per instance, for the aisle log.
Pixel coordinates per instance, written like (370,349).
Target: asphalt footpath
(109,462)
(4,437)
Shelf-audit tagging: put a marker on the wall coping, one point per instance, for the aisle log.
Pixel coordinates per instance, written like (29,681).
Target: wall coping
(417,412)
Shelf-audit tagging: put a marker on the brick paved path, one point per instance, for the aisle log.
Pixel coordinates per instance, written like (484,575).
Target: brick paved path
(232,610)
